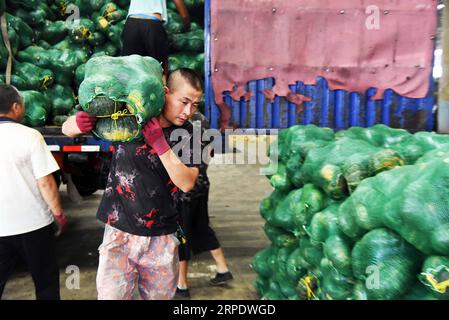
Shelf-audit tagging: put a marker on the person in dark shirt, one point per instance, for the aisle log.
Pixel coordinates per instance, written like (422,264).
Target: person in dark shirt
(144,33)
(195,223)
(139,204)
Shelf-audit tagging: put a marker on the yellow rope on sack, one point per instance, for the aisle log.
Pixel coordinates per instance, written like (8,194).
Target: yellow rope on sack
(103,23)
(110,8)
(108,14)
(45,81)
(440,287)
(307,281)
(85,33)
(117,115)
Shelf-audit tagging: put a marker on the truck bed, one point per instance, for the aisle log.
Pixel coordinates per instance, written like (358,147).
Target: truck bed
(58,142)
(55,131)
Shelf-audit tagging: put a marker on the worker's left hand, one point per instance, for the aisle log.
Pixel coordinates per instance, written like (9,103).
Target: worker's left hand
(154,136)
(85,121)
(61,221)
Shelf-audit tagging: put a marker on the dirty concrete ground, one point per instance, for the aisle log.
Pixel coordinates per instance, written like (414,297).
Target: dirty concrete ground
(236,191)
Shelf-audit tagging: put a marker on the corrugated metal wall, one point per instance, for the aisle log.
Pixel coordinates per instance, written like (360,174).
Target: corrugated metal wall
(335,109)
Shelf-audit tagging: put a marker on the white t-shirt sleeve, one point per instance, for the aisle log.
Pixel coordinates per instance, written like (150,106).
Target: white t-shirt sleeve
(42,161)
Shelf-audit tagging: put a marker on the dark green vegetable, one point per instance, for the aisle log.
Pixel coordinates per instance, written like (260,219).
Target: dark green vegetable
(81,30)
(187,60)
(96,39)
(279,237)
(53,31)
(26,34)
(79,74)
(34,18)
(114,34)
(174,24)
(59,120)
(36,106)
(37,78)
(260,262)
(386,263)
(61,98)
(192,41)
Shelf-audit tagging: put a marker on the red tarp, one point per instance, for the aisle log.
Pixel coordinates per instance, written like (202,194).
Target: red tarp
(299,40)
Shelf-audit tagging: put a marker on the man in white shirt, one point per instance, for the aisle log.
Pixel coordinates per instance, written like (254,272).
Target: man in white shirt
(144,32)
(29,200)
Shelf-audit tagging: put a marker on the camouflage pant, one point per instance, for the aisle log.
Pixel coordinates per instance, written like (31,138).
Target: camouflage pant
(125,259)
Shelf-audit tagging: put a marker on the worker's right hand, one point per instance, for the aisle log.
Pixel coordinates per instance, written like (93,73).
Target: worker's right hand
(186,23)
(85,121)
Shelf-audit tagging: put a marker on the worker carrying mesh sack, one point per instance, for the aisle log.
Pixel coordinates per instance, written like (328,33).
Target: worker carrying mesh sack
(145,183)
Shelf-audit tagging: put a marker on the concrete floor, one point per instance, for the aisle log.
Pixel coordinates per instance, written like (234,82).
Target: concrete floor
(236,191)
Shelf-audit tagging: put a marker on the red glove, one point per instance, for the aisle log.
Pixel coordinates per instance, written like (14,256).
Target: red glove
(154,136)
(62,222)
(85,121)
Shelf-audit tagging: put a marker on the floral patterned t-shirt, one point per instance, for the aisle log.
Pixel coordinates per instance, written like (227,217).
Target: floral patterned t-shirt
(140,197)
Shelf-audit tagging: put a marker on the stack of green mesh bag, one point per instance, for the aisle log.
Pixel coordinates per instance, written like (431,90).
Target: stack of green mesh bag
(50,48)
(360,214)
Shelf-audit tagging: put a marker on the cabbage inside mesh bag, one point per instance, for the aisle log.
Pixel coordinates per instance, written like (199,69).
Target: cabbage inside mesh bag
(124,93)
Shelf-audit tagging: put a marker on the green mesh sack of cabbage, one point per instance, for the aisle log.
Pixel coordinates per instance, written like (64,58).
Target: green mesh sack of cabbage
(123,93)
(385,264)
(411,147)
(192,61)
(290,150)
(282,268)
(328,265)
(62,62)
(379,135)
(37,108)
(20,36)
(191,41)
(340,167)
(411,200)
(288,272)
(279,272)
(190,4)
(433,280)
(294,210)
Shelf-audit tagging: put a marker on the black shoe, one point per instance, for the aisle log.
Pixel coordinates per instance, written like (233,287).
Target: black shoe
(221,278)
(182,293)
